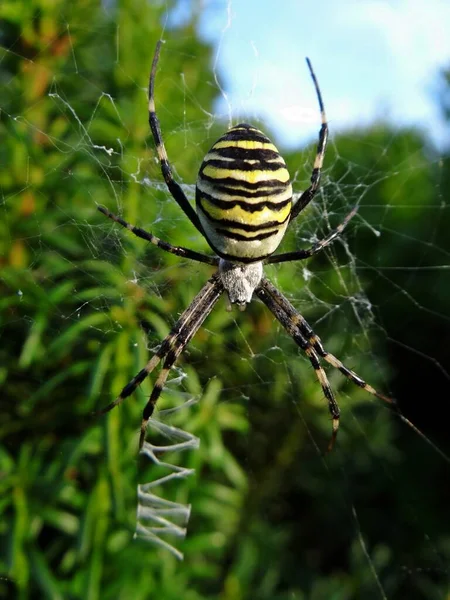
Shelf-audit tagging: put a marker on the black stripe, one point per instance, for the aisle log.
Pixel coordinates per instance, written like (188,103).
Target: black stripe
(249,153)
(328,392)
(313,359)
(355,378)
(231,191)
(130,387)
(150,406)
(172,354)
(244,226)
(271,183)
(316,343)
(242,165)
(242,238)
(244,135)
(247,206)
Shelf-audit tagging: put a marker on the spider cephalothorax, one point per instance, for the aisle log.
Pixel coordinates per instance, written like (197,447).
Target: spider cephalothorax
(244,206)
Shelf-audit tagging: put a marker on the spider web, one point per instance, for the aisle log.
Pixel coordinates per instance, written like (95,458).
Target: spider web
(243,369)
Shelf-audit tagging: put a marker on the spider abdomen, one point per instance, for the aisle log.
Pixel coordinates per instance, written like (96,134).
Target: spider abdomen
(244,195)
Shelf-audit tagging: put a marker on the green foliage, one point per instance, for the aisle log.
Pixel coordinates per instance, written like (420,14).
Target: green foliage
(83,304)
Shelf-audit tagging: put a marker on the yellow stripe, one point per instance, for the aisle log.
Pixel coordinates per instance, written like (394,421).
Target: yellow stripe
(240,215)
(246,145)
(256,176)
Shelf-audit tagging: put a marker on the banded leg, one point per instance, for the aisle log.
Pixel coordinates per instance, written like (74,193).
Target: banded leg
(180,343)
(173,186)
(309,193)
(285,319)
(149,237)
(297,323)
(166,345)
(180,334)
(315,248)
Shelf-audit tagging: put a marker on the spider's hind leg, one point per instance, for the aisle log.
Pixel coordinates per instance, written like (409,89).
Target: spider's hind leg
(304,336)
(298,325)
(132,385)
(157,390)
(333,406)
(264,292)
(186,327)
(171,347)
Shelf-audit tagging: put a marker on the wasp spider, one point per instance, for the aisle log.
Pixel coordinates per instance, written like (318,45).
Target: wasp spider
(244,206)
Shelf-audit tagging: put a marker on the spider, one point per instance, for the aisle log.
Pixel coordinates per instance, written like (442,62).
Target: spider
(244,205)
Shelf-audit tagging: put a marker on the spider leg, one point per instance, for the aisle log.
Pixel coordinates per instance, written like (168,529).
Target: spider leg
(264,292)
(333,406)
(303,335)
(179,336)
(166,170)
(309,193)
(182,339)
(315,248)
(149,237)
(297,323)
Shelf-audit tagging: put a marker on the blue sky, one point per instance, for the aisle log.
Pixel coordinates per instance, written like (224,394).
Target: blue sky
(373,58)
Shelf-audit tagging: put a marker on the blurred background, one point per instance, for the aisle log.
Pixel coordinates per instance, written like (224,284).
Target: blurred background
(84,304)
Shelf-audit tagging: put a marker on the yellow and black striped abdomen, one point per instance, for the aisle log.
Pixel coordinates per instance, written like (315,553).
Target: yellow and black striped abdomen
(244,195)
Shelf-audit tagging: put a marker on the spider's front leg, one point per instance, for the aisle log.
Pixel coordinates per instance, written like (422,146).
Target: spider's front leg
(156,241)
(166,170)
(309,193)
(316,247)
